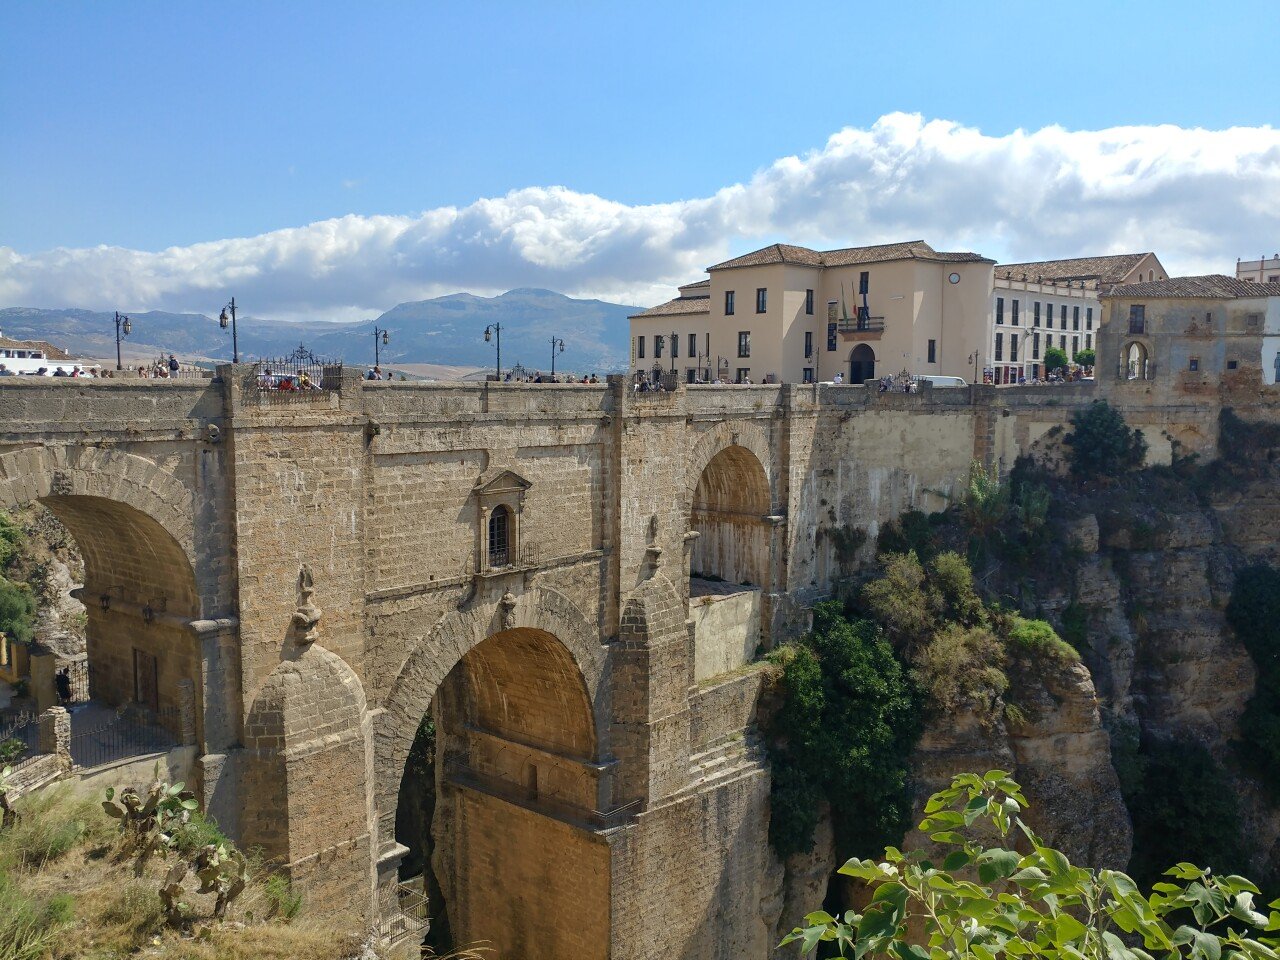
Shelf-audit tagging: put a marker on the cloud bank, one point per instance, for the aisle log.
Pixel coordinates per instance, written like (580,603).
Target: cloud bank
(1199,198)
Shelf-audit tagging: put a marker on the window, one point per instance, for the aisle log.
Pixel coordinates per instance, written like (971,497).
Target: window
(744,343)
(1088,318)
(675,345)
(1049,315)
(1088,341)
(1273,278)
(1062,318)
(1035,314)
(808,375)
(1233,364)
(999,309)
(933,351)
(744,374)
(1075,318)
(657,346)
(808,302)
(1062,341)
(1137,318)
(762,299)
(1075,346)
(1253,319)
(999,346)
(1013,318)
(1013,348)
(728,303)
(1208,316)
(639,348)
(690,375)
(693,345)
(1035,346)
(499,537)
(864,282)
(1194,364)
(832,313)
(808,344)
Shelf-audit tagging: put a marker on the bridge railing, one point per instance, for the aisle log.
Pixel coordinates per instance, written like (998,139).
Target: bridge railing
(301,377)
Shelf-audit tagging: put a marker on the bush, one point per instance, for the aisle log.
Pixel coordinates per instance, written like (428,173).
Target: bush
(1086,358)
(1040,640)
(49,825)
(17,611)
(843,734)
(1055,359)
(11,540)
(912,532)
(1254,613)
(28,928)
(200,831)
(1102,445)
(961,667)
(285,903)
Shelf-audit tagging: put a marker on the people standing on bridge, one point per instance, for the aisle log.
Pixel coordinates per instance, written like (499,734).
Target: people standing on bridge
(173,365)
(5,371)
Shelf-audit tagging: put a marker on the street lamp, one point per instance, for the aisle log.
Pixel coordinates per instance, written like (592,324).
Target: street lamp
(123,329)
(222,322)
(555,342)
(380,338)
(973,358)
(491,332)
(674,341)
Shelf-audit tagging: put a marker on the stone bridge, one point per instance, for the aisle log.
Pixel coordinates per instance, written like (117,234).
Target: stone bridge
(546,602)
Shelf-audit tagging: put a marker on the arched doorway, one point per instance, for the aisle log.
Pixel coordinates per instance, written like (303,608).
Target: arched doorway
(862,364)
(495,798)
(1137,365)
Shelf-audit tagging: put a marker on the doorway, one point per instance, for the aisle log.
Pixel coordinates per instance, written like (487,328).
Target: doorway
(862,364)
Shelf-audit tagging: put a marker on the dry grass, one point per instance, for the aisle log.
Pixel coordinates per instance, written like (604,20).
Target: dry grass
(63,889)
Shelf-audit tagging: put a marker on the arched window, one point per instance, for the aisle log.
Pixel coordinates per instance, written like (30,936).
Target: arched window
(499,537)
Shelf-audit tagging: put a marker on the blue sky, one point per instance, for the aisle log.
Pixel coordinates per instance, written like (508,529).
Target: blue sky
(146,126)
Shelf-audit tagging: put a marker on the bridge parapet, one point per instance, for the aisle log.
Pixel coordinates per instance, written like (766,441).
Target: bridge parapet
(41,407)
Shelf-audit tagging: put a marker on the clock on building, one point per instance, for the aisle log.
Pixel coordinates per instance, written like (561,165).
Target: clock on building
(954,278)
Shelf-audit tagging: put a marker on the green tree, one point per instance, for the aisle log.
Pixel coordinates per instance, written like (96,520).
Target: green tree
(1054,359)
(1086,358)
(17,611)
(989,903)
(1254,614)
(1102,445)
(843,734)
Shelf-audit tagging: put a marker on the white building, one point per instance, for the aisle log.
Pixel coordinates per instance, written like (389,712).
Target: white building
(1054,303)
(1261,270)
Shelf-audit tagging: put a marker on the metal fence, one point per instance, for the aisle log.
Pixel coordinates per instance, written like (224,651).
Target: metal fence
(405,912)
(127,733)
(19,735)
(300,377)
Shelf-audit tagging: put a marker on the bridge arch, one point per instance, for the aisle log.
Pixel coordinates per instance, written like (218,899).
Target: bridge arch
(730,502)
(140,589)
(499,708)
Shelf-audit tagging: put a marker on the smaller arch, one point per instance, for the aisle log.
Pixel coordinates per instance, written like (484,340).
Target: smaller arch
(862,364)
(1137,361)
(729,511)
(499,537)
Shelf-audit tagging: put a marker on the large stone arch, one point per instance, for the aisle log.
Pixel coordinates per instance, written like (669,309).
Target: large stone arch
(454,636)
(753,435)
(41,473)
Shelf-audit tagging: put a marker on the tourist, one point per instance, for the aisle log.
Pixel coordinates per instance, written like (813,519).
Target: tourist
(838,378)
(60,373)
(62,681)
(5,371)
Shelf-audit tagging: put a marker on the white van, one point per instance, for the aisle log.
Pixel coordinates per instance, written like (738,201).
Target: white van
(940,381)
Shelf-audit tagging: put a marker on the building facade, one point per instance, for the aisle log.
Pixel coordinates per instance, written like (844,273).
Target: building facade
(1261,270)
(786,314)
(1053,303)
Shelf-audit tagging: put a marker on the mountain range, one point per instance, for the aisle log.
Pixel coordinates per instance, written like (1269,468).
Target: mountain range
(445,330)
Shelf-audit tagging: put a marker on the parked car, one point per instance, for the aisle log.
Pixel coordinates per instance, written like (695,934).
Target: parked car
(941,381)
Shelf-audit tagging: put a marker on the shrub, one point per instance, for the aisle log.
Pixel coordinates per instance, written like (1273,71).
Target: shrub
(284,902)
(844,732)
(1102,445)
(11,540)
(901,602)
(49,825)
(961,667)
(1254,613)
(17,610)
(200,831)
(911,532)
(28,928)
(1055,359)
(1086,358)
(1040,640)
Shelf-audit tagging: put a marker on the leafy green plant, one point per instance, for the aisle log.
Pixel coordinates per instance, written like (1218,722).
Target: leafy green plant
(1055,359)
(1102,445)
(843,734)
(988,903)
(1086,358)
(284,901)
(17,611)
(1039,639)
(148,824)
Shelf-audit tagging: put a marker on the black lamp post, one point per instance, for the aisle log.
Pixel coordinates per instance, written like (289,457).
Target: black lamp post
(674,341)
(380,338)
(123,329)
(555,342)
(491,332)
(222,322)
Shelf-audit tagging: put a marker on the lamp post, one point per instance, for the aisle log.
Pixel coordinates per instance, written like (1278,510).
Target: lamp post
(555,341)
(123,329)
(494,332)
(674,341)
(380,339)
(973,358)
(222,322)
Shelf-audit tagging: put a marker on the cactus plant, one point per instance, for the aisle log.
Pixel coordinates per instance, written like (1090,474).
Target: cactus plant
(148,825)
(223,871)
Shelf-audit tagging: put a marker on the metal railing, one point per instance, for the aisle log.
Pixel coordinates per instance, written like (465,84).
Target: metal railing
(405,912)
(128,733)
(862,325)
(300,377)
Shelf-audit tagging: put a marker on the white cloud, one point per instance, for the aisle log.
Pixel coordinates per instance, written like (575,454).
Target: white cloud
(1199,198)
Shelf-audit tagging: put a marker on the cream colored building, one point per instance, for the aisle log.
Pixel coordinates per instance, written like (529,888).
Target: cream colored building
(1053,303)
(1261,270)
(787,314)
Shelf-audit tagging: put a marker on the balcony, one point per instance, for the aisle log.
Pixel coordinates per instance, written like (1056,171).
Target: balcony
(865,325)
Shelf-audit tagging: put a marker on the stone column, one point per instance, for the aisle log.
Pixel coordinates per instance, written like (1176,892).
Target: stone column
(55,735)
(44,665)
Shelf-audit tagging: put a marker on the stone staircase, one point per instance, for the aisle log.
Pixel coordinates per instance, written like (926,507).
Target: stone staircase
(724,760)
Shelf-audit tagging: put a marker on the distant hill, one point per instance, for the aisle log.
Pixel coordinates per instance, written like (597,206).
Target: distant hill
(445,330)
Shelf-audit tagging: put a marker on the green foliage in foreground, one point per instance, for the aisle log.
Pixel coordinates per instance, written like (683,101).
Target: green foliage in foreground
(843,734)
(985,903)
(17,611)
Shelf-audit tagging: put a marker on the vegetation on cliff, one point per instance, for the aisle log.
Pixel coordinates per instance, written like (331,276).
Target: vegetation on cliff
(986,903)
(1254,614)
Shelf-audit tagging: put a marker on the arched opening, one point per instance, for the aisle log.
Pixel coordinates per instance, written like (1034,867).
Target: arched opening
(498,794)
(1137,365)
(862,364)
(128,669)
(499,537)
